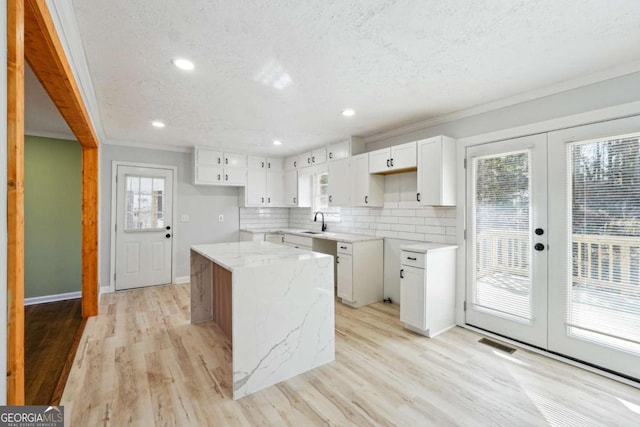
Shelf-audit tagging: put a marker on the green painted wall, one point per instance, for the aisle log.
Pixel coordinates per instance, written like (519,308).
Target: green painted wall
(52,203)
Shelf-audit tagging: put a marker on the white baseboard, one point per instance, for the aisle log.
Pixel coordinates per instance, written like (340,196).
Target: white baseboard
(52,298)
(105,289)
(182,279)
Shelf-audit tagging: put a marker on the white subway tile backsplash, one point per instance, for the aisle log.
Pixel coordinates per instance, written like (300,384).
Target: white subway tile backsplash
(403,212)
(403,227)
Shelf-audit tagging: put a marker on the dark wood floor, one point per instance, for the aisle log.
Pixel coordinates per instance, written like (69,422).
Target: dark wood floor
(51,336)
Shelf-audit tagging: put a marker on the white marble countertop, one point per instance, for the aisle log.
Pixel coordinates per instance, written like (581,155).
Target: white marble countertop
(424,247)
(239,255)
(326,235)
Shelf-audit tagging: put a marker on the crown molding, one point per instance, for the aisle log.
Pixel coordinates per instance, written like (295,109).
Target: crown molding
(66,24)
(147,146)
(611,73)
(48,134)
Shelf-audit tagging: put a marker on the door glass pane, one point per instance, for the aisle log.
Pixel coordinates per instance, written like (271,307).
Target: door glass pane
(501,209)
(144,204)
(604,278)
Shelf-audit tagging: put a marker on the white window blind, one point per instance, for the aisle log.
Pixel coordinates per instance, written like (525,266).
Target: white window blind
(604,278)
(501,208)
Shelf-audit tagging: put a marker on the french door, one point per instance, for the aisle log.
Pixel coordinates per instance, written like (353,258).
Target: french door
(553,226)
(507,221)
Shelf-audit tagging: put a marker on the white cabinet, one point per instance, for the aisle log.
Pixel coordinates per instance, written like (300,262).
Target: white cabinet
(265,182)
(359,272)
(339,175)
(291,188)
(339,150)
(298,241)
(427,288)
(398,158)
(291,163)
(304,160)
(436,171)
(319,156)
(366,189)
(212,167)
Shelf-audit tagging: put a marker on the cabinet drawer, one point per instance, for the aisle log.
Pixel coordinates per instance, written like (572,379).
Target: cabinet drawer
(345,248)
(298,240)
(413,259)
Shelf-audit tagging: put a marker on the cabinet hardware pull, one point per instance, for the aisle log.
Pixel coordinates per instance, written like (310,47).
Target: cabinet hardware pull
(330,199)
(401,273)
(391,162)
(219,160)
(269,165)
(262,165)
(366,199)
(313,159)
(539,247)
(337,260)
(330,155)
(309,160)
(226,160)
(261,199)
(294,200)
(295,164)
(226,177)
(282,239)
(412,258)
(418,196)
(388,163)
(343,247)
(268,199)
(168,236)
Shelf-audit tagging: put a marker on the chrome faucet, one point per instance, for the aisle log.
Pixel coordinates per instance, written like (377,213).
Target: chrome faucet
(315,219)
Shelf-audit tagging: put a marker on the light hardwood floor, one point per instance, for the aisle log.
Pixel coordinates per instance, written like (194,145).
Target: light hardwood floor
(141,362)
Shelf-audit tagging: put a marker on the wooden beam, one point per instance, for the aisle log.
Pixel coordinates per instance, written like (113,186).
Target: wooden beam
(47,59)
(89,232)
(15,202)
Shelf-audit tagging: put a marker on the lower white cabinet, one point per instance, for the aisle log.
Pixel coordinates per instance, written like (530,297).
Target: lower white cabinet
(427,288)
(298,241)
(360,272)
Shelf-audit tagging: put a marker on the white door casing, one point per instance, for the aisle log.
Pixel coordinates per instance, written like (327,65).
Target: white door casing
(143,225)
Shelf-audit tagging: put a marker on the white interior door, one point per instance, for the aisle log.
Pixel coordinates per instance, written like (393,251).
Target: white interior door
(594,287)
(506,229)
(144,226)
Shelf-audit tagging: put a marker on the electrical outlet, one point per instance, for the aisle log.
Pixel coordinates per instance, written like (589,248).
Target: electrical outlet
(184,218)
(220,218)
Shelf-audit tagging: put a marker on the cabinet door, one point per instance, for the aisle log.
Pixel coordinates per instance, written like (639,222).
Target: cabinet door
(291,163)
(339,150)
(404,156)
(429,164)
(275,188)
(235,160)
(208,157)
(257,162)
(304,160)
(379,161)
(359,180)
(345,276)
(412,297)
(291,188)
(256,189)
(235,176)
(339,175)
(319,156)
(208,174)
(274,164)
(304,190)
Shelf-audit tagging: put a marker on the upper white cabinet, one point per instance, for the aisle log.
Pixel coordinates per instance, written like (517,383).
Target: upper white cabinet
(436,171)
(319,156)
(366,189)
(394,159)
(265,182)
(291,188)
(304,159)
(291,163)
(339,176)
(339,150)
(213,167)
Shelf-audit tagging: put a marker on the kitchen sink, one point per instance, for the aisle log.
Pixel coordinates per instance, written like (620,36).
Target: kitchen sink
(312,232)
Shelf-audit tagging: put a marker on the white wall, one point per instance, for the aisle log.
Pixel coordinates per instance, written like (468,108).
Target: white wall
(3,200)
(203,204)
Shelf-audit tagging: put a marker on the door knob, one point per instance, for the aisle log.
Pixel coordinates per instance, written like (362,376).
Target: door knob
(538,247)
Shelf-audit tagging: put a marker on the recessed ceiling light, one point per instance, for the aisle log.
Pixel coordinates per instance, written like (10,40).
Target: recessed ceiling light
(276,142)
(183,64)
(157,124)
(348,112)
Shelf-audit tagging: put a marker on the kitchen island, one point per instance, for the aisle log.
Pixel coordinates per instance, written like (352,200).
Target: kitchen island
(275,303)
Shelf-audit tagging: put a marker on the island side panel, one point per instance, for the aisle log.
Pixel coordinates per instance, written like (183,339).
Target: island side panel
(201,288)
(222,299)
(283,322)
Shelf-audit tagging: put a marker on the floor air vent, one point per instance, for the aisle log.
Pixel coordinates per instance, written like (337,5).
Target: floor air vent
(497,345)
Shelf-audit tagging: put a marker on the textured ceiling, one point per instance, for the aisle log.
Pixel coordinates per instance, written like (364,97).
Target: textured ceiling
(286,69)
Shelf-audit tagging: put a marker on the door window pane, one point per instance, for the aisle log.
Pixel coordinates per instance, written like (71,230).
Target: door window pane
(501,209)
(144,204)
(604,283)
